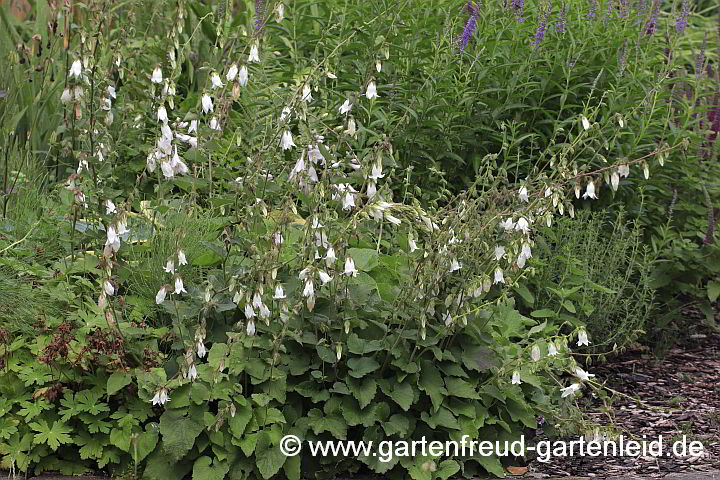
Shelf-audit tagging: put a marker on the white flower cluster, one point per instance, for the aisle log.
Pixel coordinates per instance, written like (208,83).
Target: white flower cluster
(171,164)
(177,287)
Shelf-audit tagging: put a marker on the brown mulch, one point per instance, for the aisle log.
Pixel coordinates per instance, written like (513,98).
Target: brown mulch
(678,395)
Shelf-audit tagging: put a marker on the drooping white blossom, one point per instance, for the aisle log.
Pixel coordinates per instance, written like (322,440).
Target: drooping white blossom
(582,338)
(330,257)
(585,122)
(207,103)
(345,107)
(523,194)
(567,391)
(113,240)
(254,54)
(286,142)
(350,267)
(157,76)
(535,353)
(167,169)
(66,96)
(351,130)
(371,91)
(309,289)
(498,276)
(324,277)
(170,267)
(348,201)
(232,72)
(179,287)
(412,244)
(109,288)
(376,171)
(582,374)
(590,191)
(160,296)
(161,397)
(76,69)
(307,93)
(522,225)
(215,80)
(455,265)
(162,115)
(279,12)
(507,224)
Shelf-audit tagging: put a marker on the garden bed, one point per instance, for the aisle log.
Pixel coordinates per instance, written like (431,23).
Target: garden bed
(676,395)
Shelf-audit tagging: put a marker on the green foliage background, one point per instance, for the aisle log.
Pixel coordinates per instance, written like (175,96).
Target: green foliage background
(403,350)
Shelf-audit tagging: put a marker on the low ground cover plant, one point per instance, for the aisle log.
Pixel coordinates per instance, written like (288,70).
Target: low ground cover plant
(226,222)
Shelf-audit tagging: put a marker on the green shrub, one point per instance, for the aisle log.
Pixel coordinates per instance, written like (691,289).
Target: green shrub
(597,271)
(307,252)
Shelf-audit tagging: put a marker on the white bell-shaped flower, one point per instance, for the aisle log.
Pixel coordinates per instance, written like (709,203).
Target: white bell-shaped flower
(215,81)
(345,107)
(254,54)
(371,91)
(207,103)
(76,69)
(157,76)
(286,142)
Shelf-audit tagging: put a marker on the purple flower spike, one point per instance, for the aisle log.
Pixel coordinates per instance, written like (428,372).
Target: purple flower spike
(259,14)
(624,8)
(518,6)
(700,60)
(472,9)
(542,26)
(609,15)
(682,20)
(592,14)
(470,27)
(652,23)
(641,7)
(561,24)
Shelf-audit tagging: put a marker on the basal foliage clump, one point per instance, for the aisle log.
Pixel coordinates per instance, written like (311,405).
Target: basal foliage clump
(250,245)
